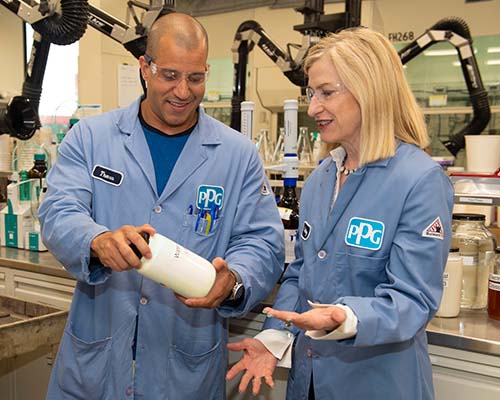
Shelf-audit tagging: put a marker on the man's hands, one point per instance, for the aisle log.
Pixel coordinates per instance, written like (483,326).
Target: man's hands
(113,248)
(223,284)
(257,362)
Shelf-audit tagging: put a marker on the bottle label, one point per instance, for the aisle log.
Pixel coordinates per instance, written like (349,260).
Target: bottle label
(494,286)
(446,277)
(285,213)
(469,260)
(495,278)
(290,236)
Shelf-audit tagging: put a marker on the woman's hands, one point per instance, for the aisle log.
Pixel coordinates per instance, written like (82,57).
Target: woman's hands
(324,317)
(257,362)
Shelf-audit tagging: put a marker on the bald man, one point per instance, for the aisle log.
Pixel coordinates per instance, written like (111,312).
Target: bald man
(161,166)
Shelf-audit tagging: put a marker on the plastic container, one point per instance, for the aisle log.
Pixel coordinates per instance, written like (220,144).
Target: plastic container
(476,245)
(494,288)
(176,267)
(482,153)
(247,108)
(452,286)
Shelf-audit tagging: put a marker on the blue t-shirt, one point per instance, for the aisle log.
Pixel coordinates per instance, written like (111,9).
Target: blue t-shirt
(165,150)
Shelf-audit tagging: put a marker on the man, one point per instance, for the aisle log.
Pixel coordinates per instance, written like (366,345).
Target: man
(159,165)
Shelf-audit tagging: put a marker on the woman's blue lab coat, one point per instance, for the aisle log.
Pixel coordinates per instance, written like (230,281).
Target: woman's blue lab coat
(381,251)
(103,179)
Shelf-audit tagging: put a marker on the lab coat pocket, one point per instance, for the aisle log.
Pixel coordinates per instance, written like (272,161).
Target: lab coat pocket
(204,227)
(83,367)
(200,372)
(200,237)
(360,275)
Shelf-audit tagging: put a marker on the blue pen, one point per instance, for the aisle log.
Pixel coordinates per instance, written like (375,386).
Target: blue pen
(198,220)
(187,216)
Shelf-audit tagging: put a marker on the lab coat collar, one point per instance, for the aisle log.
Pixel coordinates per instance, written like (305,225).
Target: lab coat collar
(128,123)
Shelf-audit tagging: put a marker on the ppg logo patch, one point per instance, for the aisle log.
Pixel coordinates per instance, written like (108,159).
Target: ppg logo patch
(365,233)
(208,197)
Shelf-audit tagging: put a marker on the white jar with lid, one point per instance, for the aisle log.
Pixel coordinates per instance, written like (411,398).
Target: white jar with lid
(452,285)
(476,245)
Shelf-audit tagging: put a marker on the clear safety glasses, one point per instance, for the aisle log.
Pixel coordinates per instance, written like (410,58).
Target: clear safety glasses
(173,77)
(326,92)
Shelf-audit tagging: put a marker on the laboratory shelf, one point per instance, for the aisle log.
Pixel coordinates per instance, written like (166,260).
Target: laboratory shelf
(476,189)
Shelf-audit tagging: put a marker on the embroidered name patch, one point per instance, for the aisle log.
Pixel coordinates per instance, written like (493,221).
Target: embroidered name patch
(209,197)
(306,231)
(107,175)
(434,230)
(365,233)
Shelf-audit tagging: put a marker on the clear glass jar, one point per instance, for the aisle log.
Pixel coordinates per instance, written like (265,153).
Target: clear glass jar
(476,245)
(494,288)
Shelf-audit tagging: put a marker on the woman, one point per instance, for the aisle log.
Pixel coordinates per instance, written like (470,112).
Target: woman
(374,234)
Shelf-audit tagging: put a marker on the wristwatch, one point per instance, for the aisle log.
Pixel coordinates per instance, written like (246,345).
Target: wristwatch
(238,289)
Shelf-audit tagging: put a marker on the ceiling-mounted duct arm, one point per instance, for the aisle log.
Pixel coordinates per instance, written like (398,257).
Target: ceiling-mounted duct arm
(315,26)
(456,32)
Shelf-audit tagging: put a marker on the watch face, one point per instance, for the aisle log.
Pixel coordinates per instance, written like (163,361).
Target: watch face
(238,291)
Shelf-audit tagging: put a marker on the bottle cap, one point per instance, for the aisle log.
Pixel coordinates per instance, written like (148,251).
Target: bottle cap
(291,105)
(136,251)
(454,250)
(39,157)
(469,217)
(247,105)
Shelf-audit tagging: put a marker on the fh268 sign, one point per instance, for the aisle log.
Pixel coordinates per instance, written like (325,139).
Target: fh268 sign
(401,36)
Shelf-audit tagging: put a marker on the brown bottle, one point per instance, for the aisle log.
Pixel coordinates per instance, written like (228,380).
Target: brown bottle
(289,211)
(494,288)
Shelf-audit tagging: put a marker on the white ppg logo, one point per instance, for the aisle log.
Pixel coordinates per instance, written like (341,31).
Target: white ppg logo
(209,197)
(365,233)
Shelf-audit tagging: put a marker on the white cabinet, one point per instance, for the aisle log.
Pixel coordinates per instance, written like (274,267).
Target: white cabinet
(37,288)
(464,375)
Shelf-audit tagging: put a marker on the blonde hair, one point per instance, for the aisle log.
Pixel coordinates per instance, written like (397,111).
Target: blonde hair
(372,72)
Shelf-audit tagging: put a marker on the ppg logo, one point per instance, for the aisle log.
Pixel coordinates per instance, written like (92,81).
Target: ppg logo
(209,197)
(365,233)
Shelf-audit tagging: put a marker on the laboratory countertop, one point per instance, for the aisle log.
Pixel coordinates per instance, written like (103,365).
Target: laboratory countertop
(33,261)
(472,330)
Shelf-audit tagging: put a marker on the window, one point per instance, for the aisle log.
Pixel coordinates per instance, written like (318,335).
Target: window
(60,84)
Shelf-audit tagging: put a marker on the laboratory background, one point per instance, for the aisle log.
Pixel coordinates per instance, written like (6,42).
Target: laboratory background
(451,55)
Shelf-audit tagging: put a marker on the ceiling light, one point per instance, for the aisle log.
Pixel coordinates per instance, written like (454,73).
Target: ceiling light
(492,62)
(431,53)
(493,50)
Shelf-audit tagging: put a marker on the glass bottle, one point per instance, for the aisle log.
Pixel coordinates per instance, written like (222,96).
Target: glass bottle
(288,207)
(494,288)
(38,171)
(476,245)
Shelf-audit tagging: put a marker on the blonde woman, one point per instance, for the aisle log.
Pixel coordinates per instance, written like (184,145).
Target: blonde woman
(374,234)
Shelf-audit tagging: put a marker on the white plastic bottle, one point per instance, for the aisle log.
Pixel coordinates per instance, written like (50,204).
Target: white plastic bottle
(452,286)
(176,267)
(247,108)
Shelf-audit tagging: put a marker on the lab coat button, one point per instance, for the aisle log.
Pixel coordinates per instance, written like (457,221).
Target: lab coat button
(144,301)
(129,391)
(322,254)
(309,353)
(157,209)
